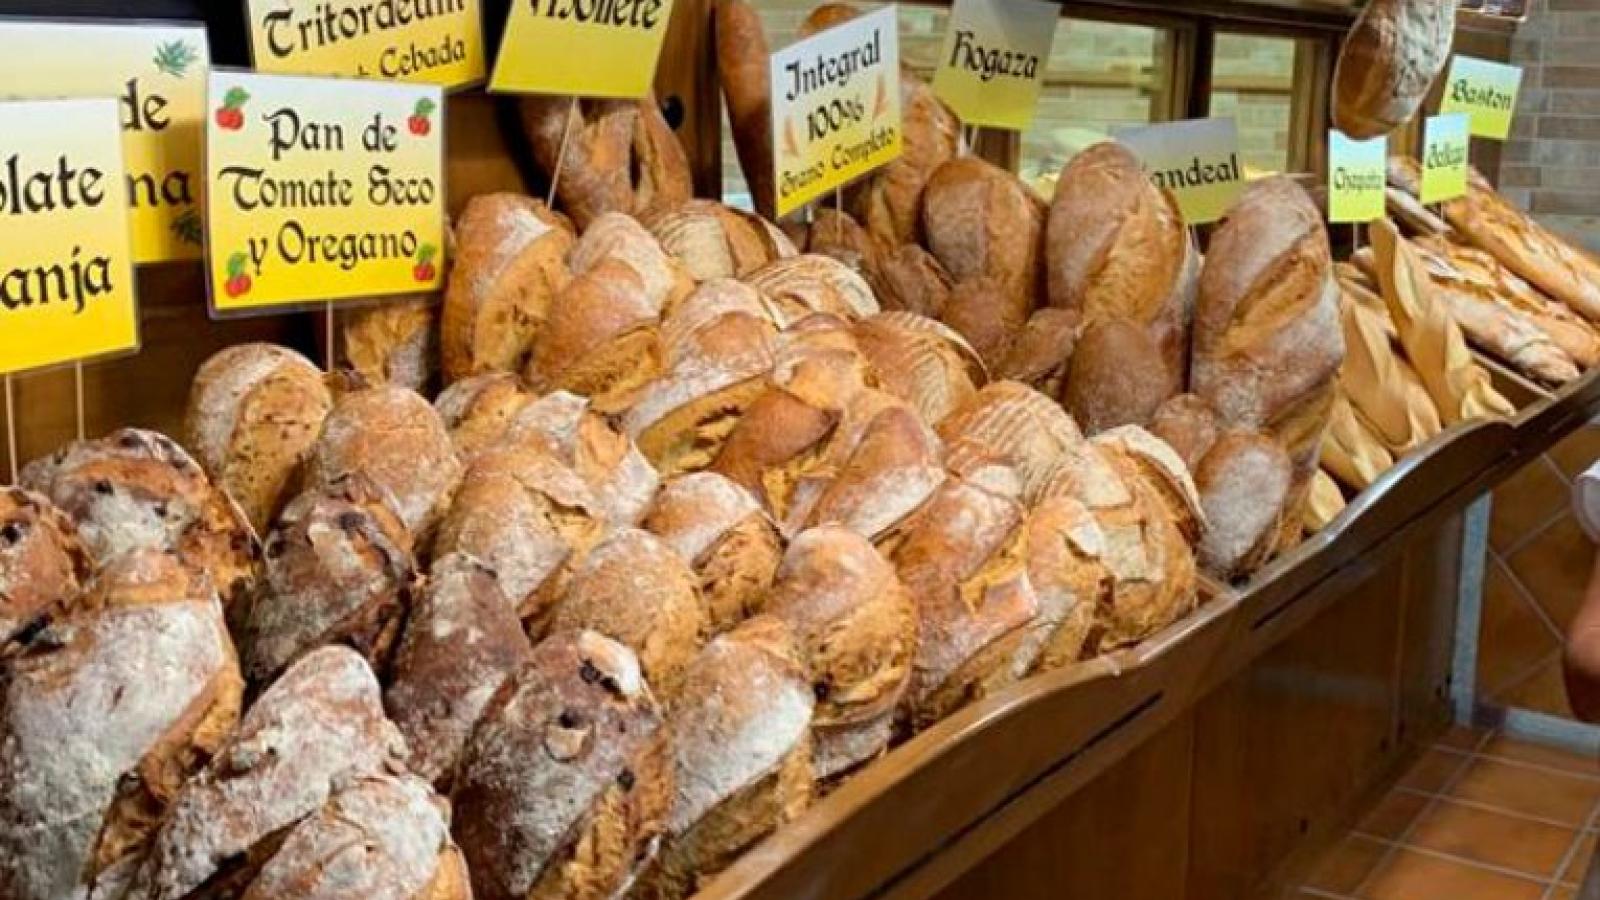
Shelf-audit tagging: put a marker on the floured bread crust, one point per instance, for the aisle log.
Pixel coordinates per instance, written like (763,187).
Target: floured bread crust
(395,342)
(711,240)
(1011,423)
(602,338)
(254,412)
(622,239)
(608,461)
(479,409)
(43,564)
(856,626)
(798,286)
(921,361)
(1244,484)
(722,532)
(110,710)
(567,782)
(983,222)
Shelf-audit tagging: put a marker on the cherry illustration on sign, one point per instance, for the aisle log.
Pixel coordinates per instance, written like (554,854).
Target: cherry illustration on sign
(238,282)
(230,115)
(420,123)
(425,270)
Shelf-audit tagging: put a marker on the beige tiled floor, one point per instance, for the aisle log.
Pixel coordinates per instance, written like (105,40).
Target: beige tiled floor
(1479,817)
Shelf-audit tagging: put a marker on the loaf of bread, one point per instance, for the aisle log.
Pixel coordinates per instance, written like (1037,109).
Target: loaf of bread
(602,339)
(478,410)
(620,155)
(1359,283)
(611,465)
(1117,249)
(911,279)
(801,285)
(1188,425)
(1327,502)
(742,755)
(856,626)
(1406,209)
(721,531)
(1040,352)
(742,70)
(889,202)
(1388,61)
(719,348)
(1460,388)
(1163,471)
(619,238)
(977,308)
(635,589)
(395,342)
(1011,423)
(921,361)
(1352,450)
(566,784)
(338,571)
(1065,553)
(1493,324)
(43,564)
(394,438)
(711,240)
(254,412)
(833,233)
(1267,340)
(1150,566)
(1380,384)
(526,515)
(134,490)
(314,729)
(962,557)
(381,835)
(461,641)
(103,719)
(982,221)
(1578,339)
(1116,377)
(1244,484)
(511,263)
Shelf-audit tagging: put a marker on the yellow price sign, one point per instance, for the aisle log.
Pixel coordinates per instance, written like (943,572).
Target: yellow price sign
(1356,177)
(1444,157)
(585,48)
(432,43)
(1486,91)
(995,54)
(321,189)
(1196,159)
(835,107)
(66,261)
(158,75)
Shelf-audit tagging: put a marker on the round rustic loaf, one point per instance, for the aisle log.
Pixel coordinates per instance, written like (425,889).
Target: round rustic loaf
(609,462)
(1162,470)
(1040,353)
(394,342)
(1388,61)
(136,490)
(1066,567)
(1012,423)
(742,755)
(920,361)
(602,339)
(720,530)
(1244,483)
(913,280)
(567,782)
(1189,426)
(383,837)
(1116,377)
(110,710)
(856,626)
(528,517)
(461,641)
(315,728)
(394,438)
(962,559)
(634,589)
(620,238)
(43,565)
(712,240)
(509,263)
(479,409)
(254,412)
(719,347)
(338,571)
(798,286)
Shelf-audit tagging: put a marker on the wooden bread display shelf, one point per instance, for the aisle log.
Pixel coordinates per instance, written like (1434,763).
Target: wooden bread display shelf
(929,810)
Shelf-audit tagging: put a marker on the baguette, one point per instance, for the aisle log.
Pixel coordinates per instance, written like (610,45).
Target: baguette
(104,719)
(254,411)
(1578,339)
(1327,502)
(856,627)
(1459,387)
(567,782)
(43,565)
(510,264)
(1351,451)
(1387,63)
(1380,384)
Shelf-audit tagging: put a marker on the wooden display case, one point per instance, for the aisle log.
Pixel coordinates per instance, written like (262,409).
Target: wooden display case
(1188,767)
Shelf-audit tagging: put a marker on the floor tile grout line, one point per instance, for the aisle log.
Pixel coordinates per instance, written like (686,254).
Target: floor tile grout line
(1497,868)
(1521,678)
(1538,767)
(1532,534)
(1527,594)
(1405,833)
(1572,852)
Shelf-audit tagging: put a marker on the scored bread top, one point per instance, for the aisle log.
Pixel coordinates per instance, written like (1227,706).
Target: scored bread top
(711,240)
(1009,422)
(982,221)
(107,692)
(478,410)
(921,361)
(563,425)
(800,285)
(319,724)
(619,237)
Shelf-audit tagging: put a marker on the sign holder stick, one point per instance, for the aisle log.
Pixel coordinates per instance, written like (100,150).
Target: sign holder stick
(327,326)
(77,394)
(561,154)
(11,429)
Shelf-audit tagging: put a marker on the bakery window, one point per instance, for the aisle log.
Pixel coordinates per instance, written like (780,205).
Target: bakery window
(921,33)
(1253,81)
(1101,76)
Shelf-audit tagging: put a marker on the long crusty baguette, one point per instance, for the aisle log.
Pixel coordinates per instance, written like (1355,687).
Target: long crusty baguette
(1380,384)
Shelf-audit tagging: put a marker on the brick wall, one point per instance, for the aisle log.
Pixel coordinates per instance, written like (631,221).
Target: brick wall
(1551,166)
